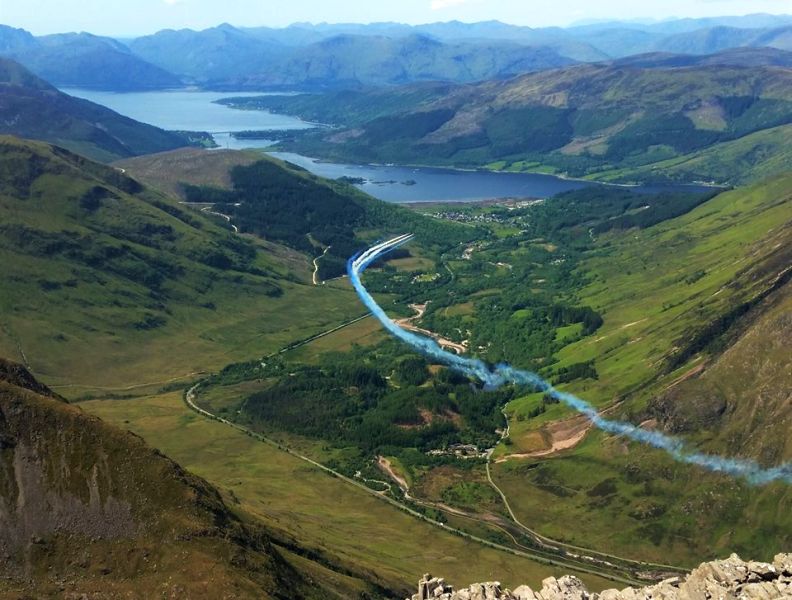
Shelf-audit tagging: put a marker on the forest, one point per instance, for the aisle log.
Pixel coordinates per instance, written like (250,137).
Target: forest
(512,299)
(371,398)
(291,206)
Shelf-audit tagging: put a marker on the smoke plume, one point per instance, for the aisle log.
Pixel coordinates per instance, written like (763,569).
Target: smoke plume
(493,377)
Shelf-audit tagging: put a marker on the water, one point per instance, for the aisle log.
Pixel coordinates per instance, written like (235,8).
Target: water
(393,183)
(428,184)
(188,110)
(196,111)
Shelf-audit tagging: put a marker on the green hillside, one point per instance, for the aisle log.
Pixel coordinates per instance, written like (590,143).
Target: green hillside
(617,121)
(695,317)
(753,157)
(31,108)
(105,278)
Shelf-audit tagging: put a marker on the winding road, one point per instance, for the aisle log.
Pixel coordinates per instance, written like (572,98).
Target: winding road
(616,573)
(190,398)
(218,214)
(316,266)
(548,550)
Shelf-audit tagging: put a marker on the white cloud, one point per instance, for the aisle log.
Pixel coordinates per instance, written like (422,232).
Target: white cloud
(441,4)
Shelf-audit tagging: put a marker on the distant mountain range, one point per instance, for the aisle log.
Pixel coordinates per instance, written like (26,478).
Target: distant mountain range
(83,60)
(305,56)
(235,59)
(735,57)
(32,108)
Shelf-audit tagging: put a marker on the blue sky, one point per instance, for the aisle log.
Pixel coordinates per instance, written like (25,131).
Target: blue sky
(136,17)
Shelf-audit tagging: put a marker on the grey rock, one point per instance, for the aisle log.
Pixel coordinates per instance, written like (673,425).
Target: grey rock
(524,593)
(728,579)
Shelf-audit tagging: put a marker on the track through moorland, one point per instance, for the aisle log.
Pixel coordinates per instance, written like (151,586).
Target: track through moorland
(316,266)
(617,574)
(549,551)
(545,550)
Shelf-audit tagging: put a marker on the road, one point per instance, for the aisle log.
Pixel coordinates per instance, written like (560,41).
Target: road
(299,343)
(316,265)
(218,214)
(190,398)
(549,551)
(640,569)
(550,546)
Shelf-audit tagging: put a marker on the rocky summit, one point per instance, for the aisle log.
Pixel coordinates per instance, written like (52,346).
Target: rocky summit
(730,579)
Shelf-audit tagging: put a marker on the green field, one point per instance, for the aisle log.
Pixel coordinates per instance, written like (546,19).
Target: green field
(191,343)
(611,295)
(321,511)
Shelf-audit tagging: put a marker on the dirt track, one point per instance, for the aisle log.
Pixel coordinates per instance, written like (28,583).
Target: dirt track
(408,323)
(563,435)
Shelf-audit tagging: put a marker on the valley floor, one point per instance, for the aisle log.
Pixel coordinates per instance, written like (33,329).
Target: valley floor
(330,515)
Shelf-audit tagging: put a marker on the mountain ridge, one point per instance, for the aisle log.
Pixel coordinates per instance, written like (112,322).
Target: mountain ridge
(608,121)
(83,60)
(305,56)
(32,108)
(343,60)
(91,509)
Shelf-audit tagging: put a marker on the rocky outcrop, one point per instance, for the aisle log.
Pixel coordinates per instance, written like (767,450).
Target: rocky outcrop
(90,511)
(17,375)
(730,579)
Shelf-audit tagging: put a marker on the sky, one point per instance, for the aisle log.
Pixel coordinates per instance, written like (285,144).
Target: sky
(139,17)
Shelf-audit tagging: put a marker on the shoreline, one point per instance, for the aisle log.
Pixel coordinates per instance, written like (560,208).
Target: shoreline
(415,204)
(308,125)
(483,170)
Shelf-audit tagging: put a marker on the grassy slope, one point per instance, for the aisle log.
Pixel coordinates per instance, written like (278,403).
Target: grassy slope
(320,511)
(752,380)
(656,289)
(166,171)
(754,157)
(83,324)
(32,108)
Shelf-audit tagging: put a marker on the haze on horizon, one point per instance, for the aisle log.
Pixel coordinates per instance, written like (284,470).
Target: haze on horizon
(124,18)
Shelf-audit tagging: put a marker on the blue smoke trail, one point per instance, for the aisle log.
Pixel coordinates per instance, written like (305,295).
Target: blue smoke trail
(493,377)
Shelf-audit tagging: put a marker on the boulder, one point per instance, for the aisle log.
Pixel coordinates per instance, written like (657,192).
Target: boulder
(728,579)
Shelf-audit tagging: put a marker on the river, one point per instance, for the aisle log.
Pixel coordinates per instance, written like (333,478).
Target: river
(192,110)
